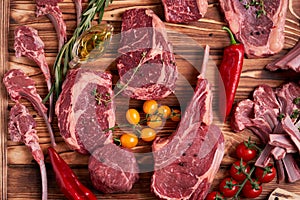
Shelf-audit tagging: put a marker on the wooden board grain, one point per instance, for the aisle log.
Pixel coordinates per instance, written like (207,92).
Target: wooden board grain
(20,177)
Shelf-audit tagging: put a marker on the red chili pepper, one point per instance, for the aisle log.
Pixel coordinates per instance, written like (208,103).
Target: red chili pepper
(231,68)
(67,180)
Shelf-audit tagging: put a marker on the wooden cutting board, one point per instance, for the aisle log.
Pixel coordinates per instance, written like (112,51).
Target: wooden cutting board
(20,178)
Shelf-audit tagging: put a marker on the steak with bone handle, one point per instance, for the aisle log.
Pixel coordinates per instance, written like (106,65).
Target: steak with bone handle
(29,44)
(51,9)
(21,127)
(18,86)
(187,161)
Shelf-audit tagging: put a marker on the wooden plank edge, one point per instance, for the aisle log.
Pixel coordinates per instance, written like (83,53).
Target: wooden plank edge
(4,24)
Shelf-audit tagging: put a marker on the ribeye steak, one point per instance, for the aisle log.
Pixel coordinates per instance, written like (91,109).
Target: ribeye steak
(146,65)
(186,162)
(181,11)
(84,109)
(262,34)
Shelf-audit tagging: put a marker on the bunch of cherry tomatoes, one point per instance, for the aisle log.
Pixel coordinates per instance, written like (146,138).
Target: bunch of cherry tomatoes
(155,117)
(241,180)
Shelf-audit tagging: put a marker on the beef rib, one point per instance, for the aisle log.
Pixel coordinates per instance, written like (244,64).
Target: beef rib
(182,11)
(187,161)
(84,109)
(146,66)
(262,34)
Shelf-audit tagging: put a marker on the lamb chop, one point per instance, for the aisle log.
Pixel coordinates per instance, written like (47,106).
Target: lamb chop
(18,85)
(29,44)
(21,127)
(187,161)
(52,11)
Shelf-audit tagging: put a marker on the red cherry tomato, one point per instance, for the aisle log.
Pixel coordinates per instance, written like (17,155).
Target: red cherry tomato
(214,196)
(246,151)
(237,169)
(228,187)
(265,175)
(252,190)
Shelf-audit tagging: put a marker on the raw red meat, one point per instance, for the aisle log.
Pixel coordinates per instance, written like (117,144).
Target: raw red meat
(18,85)
(261,35)
(146,66)
(29,44)
(51,9)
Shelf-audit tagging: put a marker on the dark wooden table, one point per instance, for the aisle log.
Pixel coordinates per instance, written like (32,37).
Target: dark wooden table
(20,178)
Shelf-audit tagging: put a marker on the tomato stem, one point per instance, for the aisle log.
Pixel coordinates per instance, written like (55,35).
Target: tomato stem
(248,177)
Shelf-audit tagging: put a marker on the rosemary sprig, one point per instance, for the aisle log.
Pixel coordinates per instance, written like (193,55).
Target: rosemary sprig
(259,4)
(65,54)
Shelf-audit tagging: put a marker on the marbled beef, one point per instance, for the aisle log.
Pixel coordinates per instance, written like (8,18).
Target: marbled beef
(146,66)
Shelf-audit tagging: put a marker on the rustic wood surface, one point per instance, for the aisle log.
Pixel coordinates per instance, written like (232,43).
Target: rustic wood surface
(20,178)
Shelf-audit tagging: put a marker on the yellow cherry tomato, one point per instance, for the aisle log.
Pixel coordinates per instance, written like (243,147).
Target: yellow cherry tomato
(150,107)
(129,140)
(133,116)
(154,121)
(164,111)
(175,115)
(148,134)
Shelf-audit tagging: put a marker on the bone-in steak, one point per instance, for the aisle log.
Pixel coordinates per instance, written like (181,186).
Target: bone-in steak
(29,44)
(18,86)
(181,11)
(186,162)
(51,9)
(262,34)
(84,109)
(146,66)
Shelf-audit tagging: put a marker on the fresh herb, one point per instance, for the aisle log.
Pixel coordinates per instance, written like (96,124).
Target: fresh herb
(135,70)
(259,4)
(296,101)
(280,116)
(65,54)
(101,98)
(295,114)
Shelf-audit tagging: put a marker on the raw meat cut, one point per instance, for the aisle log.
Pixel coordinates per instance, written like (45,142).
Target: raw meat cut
(84,109)
(187,161)
(21,127)
(273,116)
(182,11)
(113,169)
(18,85)
(51,9)
(261,34)
(78,6)
(146,65)
(29,44)
(289,61)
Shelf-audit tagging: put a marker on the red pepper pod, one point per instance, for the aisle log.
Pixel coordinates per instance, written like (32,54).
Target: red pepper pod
(68,182)
(230,69)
